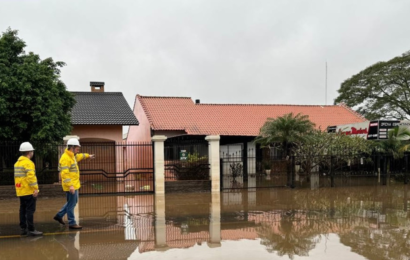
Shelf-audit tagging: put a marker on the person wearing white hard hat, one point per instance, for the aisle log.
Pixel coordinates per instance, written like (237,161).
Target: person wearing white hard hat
(70,179)
(25,181)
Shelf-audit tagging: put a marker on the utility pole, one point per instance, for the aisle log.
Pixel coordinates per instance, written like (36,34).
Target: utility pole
(326,85)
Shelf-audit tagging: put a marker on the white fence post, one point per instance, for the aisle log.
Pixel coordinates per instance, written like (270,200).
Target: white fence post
(214,162)
(159,163)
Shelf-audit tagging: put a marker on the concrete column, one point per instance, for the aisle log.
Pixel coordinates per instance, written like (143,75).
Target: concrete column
(213,151)
(159,163)
(215,221)
(160,225)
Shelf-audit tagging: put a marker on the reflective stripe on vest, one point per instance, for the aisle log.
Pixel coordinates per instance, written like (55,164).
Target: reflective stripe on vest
(20,172)
(63,168)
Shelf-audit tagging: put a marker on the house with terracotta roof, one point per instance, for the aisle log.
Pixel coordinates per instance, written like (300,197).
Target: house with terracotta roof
(181,116)
(237,124)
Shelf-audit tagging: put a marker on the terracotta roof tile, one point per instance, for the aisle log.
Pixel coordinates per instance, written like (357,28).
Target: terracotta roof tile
(181,113)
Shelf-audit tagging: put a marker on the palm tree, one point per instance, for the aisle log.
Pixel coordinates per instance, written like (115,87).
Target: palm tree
(285,131)
(396,144)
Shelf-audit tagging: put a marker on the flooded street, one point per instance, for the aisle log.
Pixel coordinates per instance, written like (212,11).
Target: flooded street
(334,223)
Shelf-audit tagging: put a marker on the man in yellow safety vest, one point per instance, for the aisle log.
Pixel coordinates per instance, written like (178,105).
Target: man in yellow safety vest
(25,181)
(70,179)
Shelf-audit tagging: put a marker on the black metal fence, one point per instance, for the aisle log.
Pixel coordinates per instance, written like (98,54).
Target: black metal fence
(362,170)
(186,159)
(117,167)
(256,168)
(342,171)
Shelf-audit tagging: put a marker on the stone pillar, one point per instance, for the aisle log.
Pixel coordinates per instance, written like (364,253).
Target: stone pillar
(159,163)
(160,225)
(215,221)
(213,151)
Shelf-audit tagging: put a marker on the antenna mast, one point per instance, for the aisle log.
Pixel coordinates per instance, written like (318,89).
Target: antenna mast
(326,85)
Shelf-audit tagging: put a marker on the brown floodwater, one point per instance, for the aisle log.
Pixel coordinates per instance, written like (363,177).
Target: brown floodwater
(335,223)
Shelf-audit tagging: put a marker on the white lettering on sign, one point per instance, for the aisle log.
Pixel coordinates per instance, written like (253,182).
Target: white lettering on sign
(358,129)
(404,122)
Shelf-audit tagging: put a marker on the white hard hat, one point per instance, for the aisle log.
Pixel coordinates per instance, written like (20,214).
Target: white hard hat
(26,147)
(73,141)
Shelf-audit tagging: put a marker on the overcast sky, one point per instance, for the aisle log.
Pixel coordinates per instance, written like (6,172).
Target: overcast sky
(222,51)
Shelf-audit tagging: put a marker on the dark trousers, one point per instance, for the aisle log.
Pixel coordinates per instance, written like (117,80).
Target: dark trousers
(27,209)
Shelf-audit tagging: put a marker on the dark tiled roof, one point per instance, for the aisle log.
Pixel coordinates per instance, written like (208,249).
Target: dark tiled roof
(102,108)
(96,83)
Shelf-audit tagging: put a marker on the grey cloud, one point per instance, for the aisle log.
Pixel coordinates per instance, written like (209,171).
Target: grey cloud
(228,51)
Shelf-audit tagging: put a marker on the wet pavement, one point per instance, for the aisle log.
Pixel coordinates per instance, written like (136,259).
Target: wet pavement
(335,223)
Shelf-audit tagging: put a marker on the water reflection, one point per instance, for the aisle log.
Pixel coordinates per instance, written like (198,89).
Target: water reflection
(71,245)
(373,222)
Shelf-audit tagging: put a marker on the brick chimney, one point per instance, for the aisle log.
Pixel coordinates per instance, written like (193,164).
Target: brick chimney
(97,86)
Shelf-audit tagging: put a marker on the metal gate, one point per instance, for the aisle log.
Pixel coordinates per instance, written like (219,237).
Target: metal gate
(243,167)
(117,168)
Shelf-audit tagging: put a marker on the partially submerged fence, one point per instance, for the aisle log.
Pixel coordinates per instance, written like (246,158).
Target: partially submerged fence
(341,171)
(128,167)
(117,168)
(255,169)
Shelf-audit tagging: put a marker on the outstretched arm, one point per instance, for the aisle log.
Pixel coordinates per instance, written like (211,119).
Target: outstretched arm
(81,156)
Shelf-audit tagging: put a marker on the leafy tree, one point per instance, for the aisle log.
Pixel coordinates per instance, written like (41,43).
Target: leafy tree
(285,131)
(380,91)
(34,102)
(320,146)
